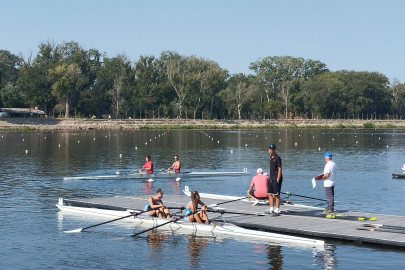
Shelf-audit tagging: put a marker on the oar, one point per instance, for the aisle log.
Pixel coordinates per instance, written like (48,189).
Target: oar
(175,219)
(212,205)
(392,227)
(133,214)
(82,229)
(381,230)
(234,213)
(331,216)
(289,193)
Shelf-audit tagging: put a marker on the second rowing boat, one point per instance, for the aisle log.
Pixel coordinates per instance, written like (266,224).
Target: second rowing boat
(155,175)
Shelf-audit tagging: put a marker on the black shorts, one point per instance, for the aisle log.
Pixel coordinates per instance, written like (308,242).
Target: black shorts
(274,187)
(252,193)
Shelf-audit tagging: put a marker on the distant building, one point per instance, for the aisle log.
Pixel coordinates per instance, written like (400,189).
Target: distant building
(21,112)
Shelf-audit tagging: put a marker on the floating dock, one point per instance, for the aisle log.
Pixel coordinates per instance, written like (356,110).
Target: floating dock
(348,226)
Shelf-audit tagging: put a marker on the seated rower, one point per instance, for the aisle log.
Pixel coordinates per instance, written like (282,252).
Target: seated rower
(192,207)
(175,168)
(259,182)
(156,206)
(147,167)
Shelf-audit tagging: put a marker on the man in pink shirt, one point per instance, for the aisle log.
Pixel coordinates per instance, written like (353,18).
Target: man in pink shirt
(259,181)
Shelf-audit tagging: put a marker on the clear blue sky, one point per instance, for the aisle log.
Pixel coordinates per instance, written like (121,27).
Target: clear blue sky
(361,35)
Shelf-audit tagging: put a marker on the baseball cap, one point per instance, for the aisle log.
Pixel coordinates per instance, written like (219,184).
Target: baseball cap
(272,146)
(328,154)
(259,170)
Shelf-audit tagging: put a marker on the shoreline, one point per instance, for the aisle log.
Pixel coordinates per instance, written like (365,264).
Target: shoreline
(143,124)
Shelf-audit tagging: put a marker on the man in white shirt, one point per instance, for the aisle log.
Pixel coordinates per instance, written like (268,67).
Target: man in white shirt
(328,177)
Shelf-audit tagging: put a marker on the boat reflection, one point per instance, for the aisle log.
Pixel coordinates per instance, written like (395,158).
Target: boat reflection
(327,257)
(155,239)
(195,249)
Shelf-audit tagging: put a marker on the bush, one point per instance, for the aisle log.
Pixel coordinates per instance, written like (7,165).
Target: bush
(368,125)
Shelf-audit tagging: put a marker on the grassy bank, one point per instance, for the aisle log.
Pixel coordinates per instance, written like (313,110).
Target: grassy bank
(26,124)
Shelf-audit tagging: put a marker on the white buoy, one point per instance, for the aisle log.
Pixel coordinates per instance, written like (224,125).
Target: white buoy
(26,151)
(136,148)
(212,139)
(295,144)
(120,155)
(379,138)
(245,144)
(150,180)
(333,139)
(150,140)
(23,139)
(146,143)
(78,141)
(218,141)
(357,142)
(178,179)
(313,137)
(387,146)
(94,139)
(279,140)
(319,148)
(59,145)
(231,151)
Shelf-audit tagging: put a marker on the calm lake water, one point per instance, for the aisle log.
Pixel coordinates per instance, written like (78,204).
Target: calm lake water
(31,181)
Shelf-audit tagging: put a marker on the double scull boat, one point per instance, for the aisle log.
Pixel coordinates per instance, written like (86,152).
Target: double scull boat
(215,228)
(119,175)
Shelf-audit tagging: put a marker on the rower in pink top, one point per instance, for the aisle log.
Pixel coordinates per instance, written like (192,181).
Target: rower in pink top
(259,182)
(148,166)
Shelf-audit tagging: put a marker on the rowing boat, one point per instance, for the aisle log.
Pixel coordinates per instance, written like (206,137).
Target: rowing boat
(155,175)
(215,228)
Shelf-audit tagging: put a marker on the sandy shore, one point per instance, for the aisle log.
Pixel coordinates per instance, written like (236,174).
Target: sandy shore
(135,124)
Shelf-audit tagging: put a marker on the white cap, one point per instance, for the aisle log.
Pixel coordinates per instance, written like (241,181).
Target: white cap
(259,170)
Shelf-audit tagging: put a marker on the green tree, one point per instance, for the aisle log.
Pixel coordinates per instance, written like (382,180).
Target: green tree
(398,94)
(239,92)
(277,75)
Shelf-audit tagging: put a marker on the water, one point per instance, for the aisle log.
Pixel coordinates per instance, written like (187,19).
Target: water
(31,182)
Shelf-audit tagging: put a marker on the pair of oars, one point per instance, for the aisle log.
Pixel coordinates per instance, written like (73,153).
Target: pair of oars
(131,215)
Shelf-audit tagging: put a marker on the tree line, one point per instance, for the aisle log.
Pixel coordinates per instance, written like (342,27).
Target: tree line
(66,80)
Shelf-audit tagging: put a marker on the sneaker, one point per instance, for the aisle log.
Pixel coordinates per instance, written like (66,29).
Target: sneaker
(274,214)
(255,202)
(328,211)
(267,212)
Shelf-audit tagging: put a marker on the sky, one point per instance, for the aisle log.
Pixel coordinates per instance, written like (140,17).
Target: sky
(360,35)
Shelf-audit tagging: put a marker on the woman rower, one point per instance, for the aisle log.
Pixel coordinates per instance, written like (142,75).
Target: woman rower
(175,168)
(191,213)
(148,166)
(156,206)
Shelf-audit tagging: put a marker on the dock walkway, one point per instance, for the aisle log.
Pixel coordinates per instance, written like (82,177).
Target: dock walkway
(304,224)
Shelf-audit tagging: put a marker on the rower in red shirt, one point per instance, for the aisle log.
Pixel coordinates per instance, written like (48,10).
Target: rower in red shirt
(175,168)
(148,166)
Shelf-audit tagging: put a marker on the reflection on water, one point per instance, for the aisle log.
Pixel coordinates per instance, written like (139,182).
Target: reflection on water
(195,248)
(275,257)
(327,257)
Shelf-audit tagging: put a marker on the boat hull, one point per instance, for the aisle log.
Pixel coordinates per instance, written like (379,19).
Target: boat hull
(155,175)
(213,229)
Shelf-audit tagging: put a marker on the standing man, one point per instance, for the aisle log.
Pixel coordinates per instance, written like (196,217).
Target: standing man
(259,181)
(275,181)
(328,177)
(148,166)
